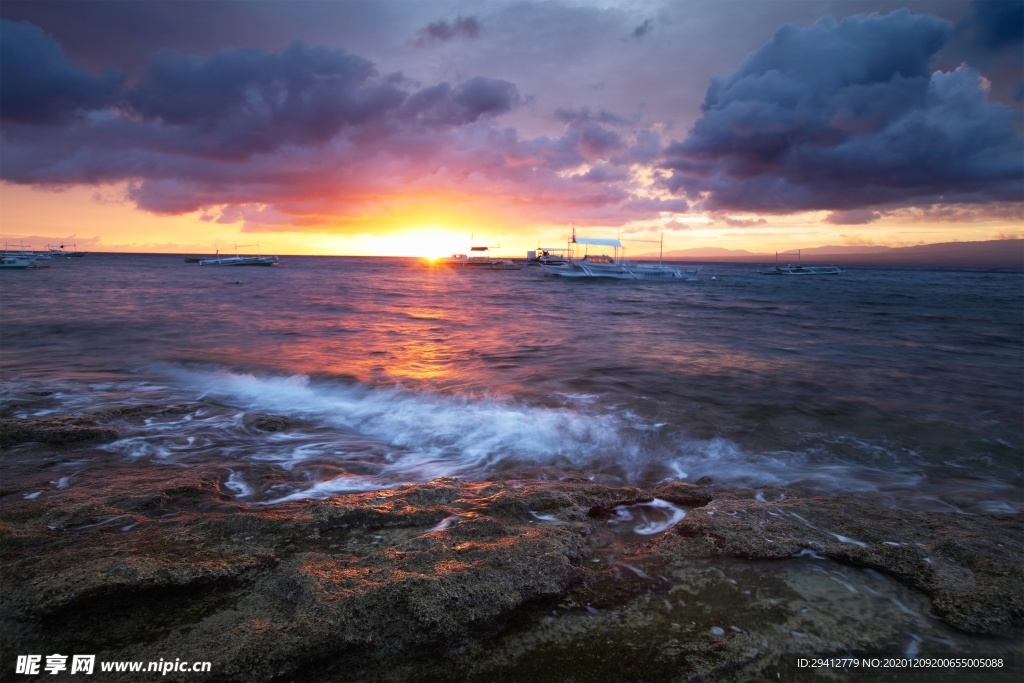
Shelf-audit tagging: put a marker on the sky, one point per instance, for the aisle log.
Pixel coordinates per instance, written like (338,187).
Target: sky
(420,128)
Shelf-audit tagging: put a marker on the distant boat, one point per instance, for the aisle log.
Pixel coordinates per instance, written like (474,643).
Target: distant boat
(20,259)
(23,252)
(237,260)
(479,258)
(604,266)
(57,251)
(799,268)
(552,256)
(18,262)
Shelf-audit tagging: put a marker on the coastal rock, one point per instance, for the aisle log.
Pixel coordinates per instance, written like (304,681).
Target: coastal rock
(55,430)
(362,576)
(143,410)
(77,429)
(518,578)
(971,566)
(270,423)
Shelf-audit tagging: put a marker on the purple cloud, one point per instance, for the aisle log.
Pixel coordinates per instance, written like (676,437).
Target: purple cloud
(299,137)
(245,101)
(853,217)
(40,86)
(475,99)
(641,31)
(992,25)
(440,32)
(840,116)
(848,115)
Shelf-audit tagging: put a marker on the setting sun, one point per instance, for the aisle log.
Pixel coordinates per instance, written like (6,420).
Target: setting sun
(432,242)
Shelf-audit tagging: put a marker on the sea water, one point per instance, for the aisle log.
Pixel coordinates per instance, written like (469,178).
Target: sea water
(905,381)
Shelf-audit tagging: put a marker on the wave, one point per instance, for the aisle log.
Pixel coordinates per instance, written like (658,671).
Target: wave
(361,437)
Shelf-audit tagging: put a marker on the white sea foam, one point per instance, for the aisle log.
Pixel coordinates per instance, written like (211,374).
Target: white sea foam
(443,434)
(236,484)
(331,487)
(355,437)
(655,516)
(444,523)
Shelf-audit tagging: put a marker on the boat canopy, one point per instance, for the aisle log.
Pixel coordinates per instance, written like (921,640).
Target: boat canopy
(597,241)
(479,248)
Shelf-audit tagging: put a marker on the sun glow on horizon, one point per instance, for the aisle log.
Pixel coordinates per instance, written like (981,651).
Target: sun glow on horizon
(429,242)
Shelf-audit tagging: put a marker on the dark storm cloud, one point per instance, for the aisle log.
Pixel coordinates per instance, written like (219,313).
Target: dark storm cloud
(849,115)
(308,133)
(295,117)
(993,25)
(440,32)
(642,30)
(184,90)
(477,98)
(40,86)
(230,106)
(991,37)
(247,101)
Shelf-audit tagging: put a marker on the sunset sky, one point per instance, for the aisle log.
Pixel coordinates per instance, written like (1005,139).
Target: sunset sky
(410,128)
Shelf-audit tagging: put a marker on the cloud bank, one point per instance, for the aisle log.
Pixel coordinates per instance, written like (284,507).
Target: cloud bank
(315,133)
(847,115)
(860,118)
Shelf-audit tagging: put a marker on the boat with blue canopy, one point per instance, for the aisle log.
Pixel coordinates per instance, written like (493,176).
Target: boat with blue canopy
(614,266)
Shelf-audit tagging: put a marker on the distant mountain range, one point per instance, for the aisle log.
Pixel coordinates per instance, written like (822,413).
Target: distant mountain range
(989,254)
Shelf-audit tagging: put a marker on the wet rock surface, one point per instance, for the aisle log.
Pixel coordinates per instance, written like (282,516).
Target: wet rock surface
(534,577)
(57,430)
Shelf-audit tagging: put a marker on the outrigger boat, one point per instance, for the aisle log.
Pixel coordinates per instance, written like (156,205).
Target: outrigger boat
(25,258)
(57,251)
(479,258)
(18,262)
(552,256)
(237,260)
(799,268)
(604,266)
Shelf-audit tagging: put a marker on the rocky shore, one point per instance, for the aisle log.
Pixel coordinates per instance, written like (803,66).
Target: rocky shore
(525,578)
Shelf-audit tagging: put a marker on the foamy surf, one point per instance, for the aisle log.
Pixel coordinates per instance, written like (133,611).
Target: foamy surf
(362,438)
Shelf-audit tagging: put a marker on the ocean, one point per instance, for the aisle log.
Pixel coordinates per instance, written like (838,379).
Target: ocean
(904,381)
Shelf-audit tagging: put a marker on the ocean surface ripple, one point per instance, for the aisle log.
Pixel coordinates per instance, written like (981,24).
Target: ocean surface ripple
(907,381)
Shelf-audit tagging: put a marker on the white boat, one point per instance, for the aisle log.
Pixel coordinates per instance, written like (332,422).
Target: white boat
(18,262)
(23,258)
(604,266)
(479,258)
(23,252)
(237,260)
(552,256)
(799,268)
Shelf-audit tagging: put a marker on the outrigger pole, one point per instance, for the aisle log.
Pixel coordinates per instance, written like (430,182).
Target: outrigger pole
(661,248)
